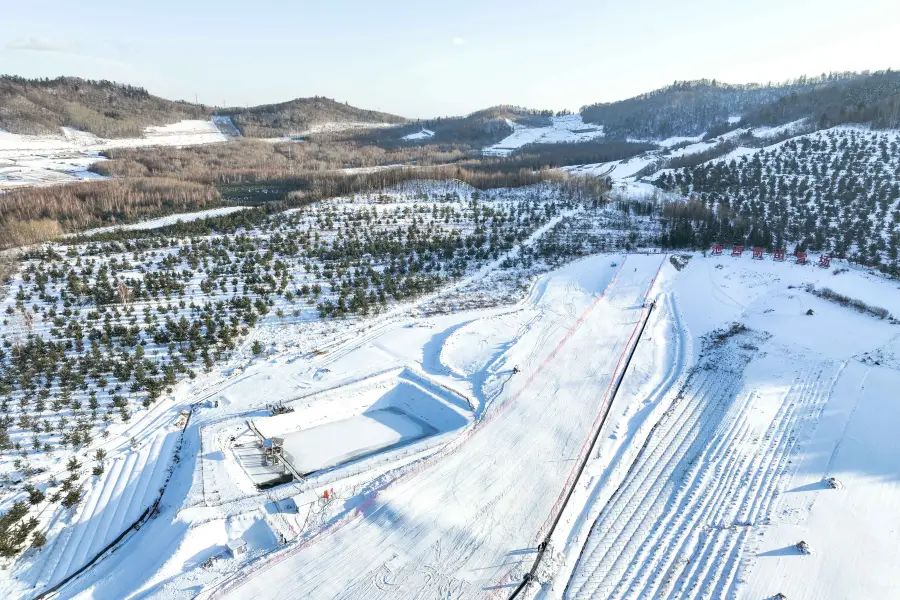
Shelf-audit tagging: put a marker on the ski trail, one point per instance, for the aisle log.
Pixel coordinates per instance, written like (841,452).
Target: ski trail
(707,477)
(457,526)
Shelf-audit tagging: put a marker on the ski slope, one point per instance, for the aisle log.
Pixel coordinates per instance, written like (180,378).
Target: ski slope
(733,474)
(129,486)
(562,129)
(706,478)
(457,525)
(424,134)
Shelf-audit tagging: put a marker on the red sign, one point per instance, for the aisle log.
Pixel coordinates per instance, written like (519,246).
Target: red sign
(801,258)
(717,250)
(779,254)
(825,261)
(737,250)
(758,253)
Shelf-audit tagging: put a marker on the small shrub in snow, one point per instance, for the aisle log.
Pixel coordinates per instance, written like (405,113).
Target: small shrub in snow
(803,548)
(71,498)
(38,539)
(15,529)
(829,294)
(679,261)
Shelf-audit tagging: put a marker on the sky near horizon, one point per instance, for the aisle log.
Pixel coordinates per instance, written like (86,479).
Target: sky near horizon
(433,59)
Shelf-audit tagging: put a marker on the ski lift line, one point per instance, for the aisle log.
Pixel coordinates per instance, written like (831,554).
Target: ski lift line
(591,442)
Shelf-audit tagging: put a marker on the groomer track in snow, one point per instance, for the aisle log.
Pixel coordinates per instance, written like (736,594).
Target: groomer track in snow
(703,484)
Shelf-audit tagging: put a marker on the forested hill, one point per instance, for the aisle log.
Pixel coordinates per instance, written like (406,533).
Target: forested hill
(104,108)
(299,115)
(866,99)
(480,128)
(691,108)
(115,110)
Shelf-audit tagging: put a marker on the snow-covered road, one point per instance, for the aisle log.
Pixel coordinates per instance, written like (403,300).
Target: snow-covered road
(465,523)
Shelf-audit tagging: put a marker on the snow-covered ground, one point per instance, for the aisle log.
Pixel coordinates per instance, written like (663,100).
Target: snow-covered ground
(563,129)
(130,486)
(710,465)
(620,169)
(732,474)
(46,160)
(166,221)
(457,521)
(420,135)
(770,132)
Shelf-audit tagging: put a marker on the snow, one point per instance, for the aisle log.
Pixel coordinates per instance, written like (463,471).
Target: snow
(770,132)
(129,486)
(680,139)
(562,129)
(493,520)
(620,169)
(694,148)
(446,444)
(420,135)
(335,127)
(225,125)
(48,160)
(326,446)
(854,540)
(167,221)
(733,475)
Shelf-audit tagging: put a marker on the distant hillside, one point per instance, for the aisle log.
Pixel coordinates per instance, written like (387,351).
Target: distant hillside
(115,110)
(299,116)
(868,98)
(686,108)
(478,129)
(104,108)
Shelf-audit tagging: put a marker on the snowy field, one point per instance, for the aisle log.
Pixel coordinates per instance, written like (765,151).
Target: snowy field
(46,160)
(424,134)
(733,474)
(563,129)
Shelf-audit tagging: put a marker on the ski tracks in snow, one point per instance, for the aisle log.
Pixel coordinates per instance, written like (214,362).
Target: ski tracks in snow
(679,524)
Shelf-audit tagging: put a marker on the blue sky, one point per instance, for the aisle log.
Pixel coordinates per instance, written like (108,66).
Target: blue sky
(428,59)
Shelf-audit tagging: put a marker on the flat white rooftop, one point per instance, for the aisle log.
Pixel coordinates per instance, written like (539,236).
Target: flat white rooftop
(328,445)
